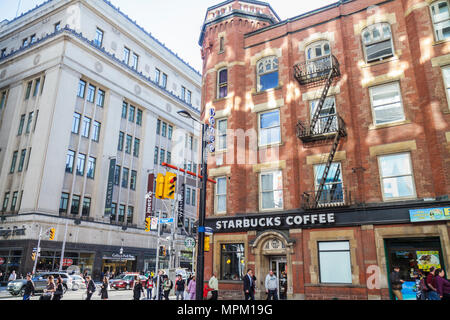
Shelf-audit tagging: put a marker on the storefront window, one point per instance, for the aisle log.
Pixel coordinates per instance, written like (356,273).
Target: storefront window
(334,262)
(10,259)
(232,258)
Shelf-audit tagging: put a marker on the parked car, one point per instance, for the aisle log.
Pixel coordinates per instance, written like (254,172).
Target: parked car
(77,282)
(17,287)
(126,282)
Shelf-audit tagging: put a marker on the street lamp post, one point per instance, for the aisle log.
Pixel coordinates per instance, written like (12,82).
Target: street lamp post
(202,212)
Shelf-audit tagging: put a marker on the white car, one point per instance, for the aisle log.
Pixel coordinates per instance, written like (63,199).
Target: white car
(77,282)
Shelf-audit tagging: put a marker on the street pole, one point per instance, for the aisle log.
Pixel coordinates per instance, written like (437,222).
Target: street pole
(38,249)
(63,248)
(157,258)
(201,220)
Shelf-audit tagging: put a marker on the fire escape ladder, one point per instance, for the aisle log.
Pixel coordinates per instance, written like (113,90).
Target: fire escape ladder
(335,179)
(328,82)
(327,168)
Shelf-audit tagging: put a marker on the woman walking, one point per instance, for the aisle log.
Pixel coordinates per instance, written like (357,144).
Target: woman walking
(104,289)
(59,292)
(137,289)
(49,289)
(191,288)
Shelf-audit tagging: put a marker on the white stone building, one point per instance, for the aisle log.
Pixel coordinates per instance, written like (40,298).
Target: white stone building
(82,84)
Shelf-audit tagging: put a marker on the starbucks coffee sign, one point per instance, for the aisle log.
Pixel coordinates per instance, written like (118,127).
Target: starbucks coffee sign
(261,222)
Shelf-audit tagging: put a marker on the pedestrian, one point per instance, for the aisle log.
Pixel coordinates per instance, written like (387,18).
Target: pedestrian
(214,286)
(12,276)
(442,285)
(430,282)
(49,289)
(189,279)
(249,285)
(159,285)
(137,289)
(104,288)
(283,286)
(149,287)
(192,288)
(418,278)
(167,286)
(396,283)
(29,288)
(179,287)
(90,287)
(59,292)
(272,285)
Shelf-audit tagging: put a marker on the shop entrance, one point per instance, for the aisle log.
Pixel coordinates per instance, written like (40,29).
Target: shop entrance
(279,267)
(412,255)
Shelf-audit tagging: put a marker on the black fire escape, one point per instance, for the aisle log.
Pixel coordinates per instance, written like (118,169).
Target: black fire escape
(323,128)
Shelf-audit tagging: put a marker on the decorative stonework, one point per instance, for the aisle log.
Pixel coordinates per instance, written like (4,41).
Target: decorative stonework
(98,67)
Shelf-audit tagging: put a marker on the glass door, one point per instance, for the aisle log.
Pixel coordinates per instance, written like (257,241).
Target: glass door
(279,267)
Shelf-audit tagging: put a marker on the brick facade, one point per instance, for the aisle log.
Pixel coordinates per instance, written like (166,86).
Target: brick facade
(416,65)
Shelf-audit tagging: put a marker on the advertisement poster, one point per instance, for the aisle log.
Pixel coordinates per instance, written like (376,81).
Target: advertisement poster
(430,214)
(409,290)
(428,259)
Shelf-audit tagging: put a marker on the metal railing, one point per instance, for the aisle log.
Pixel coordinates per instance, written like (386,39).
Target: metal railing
(333,196)
(315,69)
(326,125)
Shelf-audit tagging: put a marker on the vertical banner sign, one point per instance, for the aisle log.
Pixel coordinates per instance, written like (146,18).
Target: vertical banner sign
(110,187)
(181,206)
(149,196)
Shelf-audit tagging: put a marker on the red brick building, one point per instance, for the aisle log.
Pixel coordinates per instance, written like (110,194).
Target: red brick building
(332,145)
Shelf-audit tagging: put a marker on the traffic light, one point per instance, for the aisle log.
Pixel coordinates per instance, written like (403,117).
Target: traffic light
(169,185)
(52,234)
(147,224)
(162,250)
(33,256)
(159,192)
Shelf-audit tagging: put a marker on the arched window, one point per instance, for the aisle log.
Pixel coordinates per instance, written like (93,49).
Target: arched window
(267,73)
(317,50)
(377,42)
(441,19)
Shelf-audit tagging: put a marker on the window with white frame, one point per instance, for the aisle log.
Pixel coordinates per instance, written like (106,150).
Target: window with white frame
(271,190)
(86,127)
(81,161)
(269,128)
(221,134)
(333,187)
(386,103)
(396,176)
(440,16)
(126,55)
(134,61)
(446,74)
(76,123)
(334,262)
(98,37)
(222,83)
(96,131)
(221,195)
(91,167)
(318,58)
(267,73)
(377,42)
(328,113)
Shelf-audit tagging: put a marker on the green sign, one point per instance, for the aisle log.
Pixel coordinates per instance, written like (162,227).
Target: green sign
(189,242)
(429,214)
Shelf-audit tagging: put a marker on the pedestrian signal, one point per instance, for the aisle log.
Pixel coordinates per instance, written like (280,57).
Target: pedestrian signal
(159,192)
(169,185)
(147,224)
(52,234)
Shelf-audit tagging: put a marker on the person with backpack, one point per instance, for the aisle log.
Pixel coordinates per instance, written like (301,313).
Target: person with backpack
(90,287)
(179,287)
(167,286)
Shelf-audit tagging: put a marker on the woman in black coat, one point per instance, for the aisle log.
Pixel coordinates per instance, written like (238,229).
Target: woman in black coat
(104,289)
(137,289)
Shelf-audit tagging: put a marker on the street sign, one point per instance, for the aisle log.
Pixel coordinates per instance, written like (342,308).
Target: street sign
(67,262)
(189,242)
(154,223)
(166,220)
(209,230)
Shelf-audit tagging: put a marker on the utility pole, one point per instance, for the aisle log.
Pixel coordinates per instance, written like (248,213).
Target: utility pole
(38,250)
(63,248)
(157,258)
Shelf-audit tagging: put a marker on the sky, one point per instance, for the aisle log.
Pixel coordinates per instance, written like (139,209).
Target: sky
(176,23)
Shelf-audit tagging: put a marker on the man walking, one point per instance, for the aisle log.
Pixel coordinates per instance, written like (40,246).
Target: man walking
(272,285)
(12,276)
(29,288)
(396,283)
(214,285)
(179,287)
(249,285)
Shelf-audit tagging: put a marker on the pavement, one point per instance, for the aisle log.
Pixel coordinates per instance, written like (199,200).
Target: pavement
(81,295)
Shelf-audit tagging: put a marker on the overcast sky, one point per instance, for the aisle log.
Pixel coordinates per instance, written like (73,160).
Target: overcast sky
(176,23)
